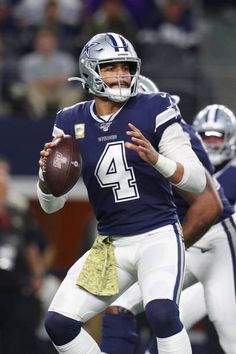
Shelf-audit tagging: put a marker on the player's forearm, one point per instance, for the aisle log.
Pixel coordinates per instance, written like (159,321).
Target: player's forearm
(189,174)
(48,202)
(190,177)
(194,227)
(202,213)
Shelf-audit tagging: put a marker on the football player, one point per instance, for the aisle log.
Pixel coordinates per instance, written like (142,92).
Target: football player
(211,260)
(133,150)
(217,128)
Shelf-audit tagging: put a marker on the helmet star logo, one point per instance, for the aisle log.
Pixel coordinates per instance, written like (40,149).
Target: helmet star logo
(173,105)
(88,47)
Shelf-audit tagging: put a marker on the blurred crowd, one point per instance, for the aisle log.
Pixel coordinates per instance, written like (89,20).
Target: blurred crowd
(40,42)
(27,283)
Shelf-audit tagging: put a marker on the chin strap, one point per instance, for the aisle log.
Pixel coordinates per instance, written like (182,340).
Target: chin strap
(75,78)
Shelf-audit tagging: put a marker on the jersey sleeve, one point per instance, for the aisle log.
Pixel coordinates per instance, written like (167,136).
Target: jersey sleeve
(167,113)
(62,122)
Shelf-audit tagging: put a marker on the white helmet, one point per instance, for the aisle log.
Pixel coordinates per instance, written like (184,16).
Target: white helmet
(216,124)
(108,48)
(146,85)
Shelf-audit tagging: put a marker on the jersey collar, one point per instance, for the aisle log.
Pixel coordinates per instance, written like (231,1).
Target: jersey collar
(98,118)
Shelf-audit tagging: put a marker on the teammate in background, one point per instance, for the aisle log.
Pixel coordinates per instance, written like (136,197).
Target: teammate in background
(217,128)
(133,149)
(211,260)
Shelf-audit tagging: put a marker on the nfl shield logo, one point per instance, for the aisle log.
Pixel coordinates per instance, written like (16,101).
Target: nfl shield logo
(104,126)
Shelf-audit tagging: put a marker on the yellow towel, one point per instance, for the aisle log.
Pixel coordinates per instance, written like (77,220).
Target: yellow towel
(99,274)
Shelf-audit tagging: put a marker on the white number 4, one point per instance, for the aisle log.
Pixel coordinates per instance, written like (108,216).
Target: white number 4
(112,171)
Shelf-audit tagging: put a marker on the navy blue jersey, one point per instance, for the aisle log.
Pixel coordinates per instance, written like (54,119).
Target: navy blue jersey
(199,149)
(128,195)
(227,178)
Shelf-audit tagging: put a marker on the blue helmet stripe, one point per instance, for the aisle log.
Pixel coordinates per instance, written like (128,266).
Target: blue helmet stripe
(206,116)
(124,44)
(113,42)
(216,114)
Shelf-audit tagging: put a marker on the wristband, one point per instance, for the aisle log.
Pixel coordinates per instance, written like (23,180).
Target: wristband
(165,166)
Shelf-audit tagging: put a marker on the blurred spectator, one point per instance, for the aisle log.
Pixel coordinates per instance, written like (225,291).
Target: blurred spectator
(20,272)
(225,10)
(216,5)
(8,28)
(27,284)
(55,18)
(62,27)
(138,10)
(30,12)
(111,16)
(71,11)
(45,72)
(171,53)
(173,22)
(8,77)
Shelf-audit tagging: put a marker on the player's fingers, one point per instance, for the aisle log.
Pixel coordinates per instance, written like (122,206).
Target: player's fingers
(131,126)
(44,153)
(139,141)
(48,145)
(131,146)
(42,161)
(136,134)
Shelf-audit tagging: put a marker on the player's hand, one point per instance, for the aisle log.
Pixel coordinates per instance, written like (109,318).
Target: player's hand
(42,161)
(46,149)
(141,145)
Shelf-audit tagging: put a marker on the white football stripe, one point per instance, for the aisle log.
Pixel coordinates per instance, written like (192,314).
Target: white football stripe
(57,131)
(163,117)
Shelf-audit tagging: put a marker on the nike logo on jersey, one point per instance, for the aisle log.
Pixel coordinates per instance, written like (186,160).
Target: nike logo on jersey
(202,249)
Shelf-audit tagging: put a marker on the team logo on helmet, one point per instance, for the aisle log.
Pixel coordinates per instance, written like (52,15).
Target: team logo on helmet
(88,47)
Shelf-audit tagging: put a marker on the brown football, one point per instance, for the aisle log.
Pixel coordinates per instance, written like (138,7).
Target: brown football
(62,168)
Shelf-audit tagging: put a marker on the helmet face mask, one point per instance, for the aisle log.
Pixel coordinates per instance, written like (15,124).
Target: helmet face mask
(216,125)
(108,49)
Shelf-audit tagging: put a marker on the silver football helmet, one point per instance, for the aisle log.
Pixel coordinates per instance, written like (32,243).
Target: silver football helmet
(106,48)
(146,85)
(216,125)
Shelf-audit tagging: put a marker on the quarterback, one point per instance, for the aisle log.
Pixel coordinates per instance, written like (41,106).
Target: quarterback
(133,150)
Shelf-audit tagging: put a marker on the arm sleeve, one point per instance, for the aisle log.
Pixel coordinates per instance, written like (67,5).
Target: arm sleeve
(49,203)
(176,146)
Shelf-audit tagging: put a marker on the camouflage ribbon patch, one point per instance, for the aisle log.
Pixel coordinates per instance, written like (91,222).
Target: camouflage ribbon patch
(99,274)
